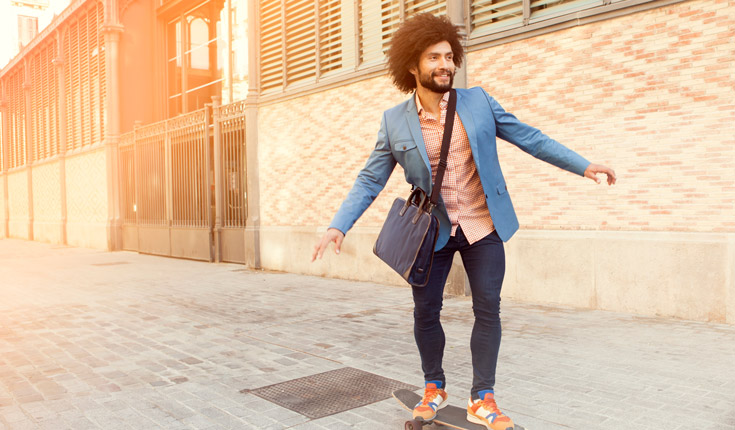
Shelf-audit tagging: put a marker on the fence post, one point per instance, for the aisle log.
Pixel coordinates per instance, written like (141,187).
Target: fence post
(218,194)
(136,172)
(168,181)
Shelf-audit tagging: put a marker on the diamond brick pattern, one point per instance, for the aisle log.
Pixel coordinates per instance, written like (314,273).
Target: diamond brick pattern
(86,187)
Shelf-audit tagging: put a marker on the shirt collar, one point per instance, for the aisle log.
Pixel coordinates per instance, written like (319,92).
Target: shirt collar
(442,104)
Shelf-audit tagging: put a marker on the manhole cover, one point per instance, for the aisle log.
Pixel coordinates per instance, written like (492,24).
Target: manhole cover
(330,392)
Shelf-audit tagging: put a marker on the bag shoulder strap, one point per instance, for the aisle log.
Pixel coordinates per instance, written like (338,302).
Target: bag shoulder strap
(448,127)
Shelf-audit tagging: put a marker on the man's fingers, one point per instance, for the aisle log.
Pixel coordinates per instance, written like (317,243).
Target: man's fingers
(315,253)
(594,169)
(338,244)
(319,250)
(611,178)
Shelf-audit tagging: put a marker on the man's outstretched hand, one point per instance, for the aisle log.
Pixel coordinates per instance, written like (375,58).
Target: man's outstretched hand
(593,169)
(332,235)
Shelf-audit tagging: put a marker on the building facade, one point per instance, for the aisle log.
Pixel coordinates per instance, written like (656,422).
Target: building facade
(225,144)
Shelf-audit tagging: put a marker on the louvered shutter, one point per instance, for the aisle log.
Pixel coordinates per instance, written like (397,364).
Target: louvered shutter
(330,35)
(300,37)
(376,26)
(36,104)
(42,112)
(16,109)
(435,7)
(542,9)
(84,81)
(271,45)
(94,51)
(53,99)
(390,21)
(489,15)
(71,62)
(44,96)
(101,60)
(369,18)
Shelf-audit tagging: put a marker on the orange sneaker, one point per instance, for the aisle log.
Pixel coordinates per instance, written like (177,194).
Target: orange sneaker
(434,399)
(485,412)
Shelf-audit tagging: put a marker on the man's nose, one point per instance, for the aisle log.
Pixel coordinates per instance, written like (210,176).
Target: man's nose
(445,63)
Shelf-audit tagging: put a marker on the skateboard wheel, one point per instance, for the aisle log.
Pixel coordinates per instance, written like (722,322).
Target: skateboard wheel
(413,425)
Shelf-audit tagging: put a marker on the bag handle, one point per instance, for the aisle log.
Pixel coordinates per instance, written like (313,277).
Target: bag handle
(448,127)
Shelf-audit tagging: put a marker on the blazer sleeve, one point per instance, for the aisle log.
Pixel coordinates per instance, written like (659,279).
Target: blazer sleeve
(369,183)
(534,142)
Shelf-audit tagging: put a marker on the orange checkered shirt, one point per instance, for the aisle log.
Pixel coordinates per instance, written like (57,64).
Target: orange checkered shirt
(461,190)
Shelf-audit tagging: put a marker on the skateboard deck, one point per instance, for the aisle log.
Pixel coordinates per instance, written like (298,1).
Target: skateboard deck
(450,416)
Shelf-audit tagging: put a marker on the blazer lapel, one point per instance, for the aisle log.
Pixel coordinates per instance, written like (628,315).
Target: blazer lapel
(465,115)
(414,126)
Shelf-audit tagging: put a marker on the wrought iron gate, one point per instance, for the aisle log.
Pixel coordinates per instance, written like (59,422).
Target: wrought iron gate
(183,187)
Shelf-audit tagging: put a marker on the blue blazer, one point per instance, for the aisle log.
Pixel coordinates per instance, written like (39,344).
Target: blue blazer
(400,141)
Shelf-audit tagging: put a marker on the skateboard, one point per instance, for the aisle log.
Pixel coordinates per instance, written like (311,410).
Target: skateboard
(450,416)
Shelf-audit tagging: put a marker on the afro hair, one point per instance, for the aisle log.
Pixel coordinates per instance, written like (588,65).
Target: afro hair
(412,38)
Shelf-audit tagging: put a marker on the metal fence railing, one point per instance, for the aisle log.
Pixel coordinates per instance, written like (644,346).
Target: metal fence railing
(150,174)
(231,120)
(190,156)
(127,178)
(169,171)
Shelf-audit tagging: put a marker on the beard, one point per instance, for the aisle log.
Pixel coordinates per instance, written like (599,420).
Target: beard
(427,81)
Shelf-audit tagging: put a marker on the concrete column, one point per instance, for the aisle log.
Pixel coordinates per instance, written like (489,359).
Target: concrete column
(456,13)
(27,86)
(112,31)
(4,173)
(252,227)
(61,76)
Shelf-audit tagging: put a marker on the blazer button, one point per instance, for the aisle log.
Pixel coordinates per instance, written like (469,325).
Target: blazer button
(404,147)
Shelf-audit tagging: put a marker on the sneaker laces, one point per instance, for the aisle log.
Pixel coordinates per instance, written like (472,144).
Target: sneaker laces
(489,404)
(429,395)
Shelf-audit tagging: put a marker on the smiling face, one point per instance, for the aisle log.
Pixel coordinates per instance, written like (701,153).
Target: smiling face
(435,70)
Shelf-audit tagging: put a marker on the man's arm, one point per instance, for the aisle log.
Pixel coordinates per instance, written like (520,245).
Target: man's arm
(369,183)
(534,142)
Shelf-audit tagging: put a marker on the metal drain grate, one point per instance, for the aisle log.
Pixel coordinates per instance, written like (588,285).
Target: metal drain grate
(330,392)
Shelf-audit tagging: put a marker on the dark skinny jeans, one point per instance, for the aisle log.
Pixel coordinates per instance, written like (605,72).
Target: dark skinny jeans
(484,262)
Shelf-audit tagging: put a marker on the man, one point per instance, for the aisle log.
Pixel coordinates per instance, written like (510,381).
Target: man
(475,211)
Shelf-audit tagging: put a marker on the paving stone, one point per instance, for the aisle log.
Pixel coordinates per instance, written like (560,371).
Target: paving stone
(167,343)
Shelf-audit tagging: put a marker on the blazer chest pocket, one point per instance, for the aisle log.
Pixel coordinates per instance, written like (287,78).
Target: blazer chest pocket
(404,151)
(403,145)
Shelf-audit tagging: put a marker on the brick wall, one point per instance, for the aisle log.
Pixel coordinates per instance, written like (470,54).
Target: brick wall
(311,149)
(3,178)
(650,94)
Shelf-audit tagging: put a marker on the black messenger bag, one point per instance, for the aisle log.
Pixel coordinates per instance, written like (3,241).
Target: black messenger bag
(406,241)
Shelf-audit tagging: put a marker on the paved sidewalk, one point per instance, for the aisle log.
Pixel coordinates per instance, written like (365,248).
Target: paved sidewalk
(98,340)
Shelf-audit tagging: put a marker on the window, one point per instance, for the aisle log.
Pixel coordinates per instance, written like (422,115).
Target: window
(303,41)
(378,20)
(300,41)
(194,72)
(85,80)
(492,16)
(44,97)
(16,118)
